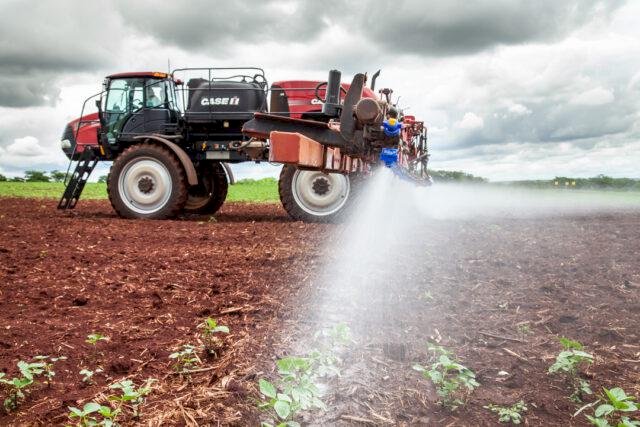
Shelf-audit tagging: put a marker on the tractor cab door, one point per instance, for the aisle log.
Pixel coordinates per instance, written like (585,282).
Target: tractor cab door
(160,107)
(138,105)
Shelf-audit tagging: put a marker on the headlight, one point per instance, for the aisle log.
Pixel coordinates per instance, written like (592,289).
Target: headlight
(65,144)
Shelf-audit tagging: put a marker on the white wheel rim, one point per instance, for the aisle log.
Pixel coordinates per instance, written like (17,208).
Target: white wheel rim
(318,193)
(145,185)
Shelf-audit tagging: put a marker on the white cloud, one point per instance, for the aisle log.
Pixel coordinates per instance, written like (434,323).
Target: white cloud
(470,121)
(593,97)
(28,146)
(518,109)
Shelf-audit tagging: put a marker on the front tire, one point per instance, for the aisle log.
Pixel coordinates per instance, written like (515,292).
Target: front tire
(147,181)
(208,196)
(313,196)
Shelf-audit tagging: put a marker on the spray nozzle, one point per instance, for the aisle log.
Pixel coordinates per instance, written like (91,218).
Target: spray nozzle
(389,156)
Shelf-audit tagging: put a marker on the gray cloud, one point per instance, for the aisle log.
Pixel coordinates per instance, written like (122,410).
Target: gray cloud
(432,28)
(218,26)
(461,27)
(41,43)
(28,90)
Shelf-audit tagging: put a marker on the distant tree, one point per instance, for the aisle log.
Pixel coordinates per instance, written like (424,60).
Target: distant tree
(102,179)
(454,176)
(36,176)
(57,176)
(17,179)
(3,178)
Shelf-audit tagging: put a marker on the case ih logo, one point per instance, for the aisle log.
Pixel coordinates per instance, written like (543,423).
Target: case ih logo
(221,101)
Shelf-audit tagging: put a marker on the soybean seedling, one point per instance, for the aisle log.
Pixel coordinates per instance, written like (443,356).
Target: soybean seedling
(86,417)
(87,375)
(131,395)
(506,414)
(210,331)
(616,409)
(296,388)
(185,358)
(523,330)
(18,386)
(449,377)
(47,367)
(95,337)
(324,358)
(295,391)
(568,363)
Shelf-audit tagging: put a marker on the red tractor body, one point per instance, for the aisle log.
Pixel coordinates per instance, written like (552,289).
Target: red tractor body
(304,102)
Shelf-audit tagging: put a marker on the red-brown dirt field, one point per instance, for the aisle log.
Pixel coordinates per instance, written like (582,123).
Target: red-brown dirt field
(467,284)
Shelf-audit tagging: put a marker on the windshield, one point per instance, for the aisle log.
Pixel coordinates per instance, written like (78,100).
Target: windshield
(128,96)
(124,96)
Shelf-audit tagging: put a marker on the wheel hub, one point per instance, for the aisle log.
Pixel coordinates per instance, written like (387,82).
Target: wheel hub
(319,193)
(145,184)
(321,186)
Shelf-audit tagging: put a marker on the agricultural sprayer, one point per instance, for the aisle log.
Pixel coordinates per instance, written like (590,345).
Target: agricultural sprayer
(172,136)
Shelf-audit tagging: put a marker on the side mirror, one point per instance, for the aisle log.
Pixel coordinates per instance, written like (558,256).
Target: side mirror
(99,103)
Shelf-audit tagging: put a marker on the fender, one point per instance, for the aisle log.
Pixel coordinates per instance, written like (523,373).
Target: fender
(229,172)
(192,176)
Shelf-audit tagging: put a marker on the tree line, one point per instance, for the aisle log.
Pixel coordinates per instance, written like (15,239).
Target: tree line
(439,176)
(42,176)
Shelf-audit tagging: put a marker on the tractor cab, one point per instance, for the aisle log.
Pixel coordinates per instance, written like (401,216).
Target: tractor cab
(137,104)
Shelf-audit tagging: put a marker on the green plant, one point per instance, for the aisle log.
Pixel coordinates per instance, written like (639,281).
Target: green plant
(448,376)
(324,358)
(185,358)
(17,387)
(512,414)
(524,329)
(85,417)
(210,327)
(568,363)
(131,395)
(210,330)
(95,337)
(47,367)
(296,389)
(616,408)
(87,375)
(426,295)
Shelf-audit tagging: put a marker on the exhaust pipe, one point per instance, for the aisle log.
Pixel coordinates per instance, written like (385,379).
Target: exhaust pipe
(373,80)
(332,105)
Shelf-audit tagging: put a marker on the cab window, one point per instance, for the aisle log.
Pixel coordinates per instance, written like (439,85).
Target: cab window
(124,95)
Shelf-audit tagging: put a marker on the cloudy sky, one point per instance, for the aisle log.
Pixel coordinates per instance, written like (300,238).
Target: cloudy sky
(509,89)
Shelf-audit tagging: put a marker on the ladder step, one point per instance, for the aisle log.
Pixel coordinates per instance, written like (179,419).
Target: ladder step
(86,163)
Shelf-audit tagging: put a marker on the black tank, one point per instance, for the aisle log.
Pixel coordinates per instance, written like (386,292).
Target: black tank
(223,100)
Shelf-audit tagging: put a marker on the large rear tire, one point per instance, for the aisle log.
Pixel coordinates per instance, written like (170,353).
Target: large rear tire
(147,181)
(208,196)
(313,196)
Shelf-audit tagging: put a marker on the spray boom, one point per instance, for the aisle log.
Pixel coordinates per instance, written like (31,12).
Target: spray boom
(355,132)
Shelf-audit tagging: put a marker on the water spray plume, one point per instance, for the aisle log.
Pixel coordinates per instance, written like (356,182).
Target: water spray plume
(379,266)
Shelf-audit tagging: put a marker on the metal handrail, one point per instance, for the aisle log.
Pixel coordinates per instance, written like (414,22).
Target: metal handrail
(77,132)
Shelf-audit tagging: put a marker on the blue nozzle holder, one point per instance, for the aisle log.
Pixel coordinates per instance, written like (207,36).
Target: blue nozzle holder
(391,129)
(389,156)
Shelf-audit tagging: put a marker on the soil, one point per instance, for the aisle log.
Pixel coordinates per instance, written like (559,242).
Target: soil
(467,285)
